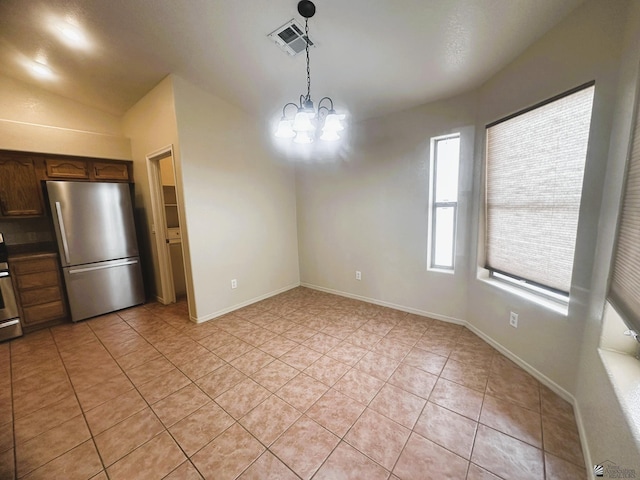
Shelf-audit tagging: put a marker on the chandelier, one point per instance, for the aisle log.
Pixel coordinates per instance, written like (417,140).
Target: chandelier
(305,124)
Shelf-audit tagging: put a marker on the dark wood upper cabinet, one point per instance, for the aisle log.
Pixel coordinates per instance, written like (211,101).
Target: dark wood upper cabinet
(79,168)
(64,168)
(22,174)
(110,171)
(20,192)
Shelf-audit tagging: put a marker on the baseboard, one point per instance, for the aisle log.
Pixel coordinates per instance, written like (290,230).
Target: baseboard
(542,378)
(237,306)
(382,303)
(159,299)
(583,441)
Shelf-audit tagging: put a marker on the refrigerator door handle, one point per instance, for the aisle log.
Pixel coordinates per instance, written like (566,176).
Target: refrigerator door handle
(63,232)
(101,267)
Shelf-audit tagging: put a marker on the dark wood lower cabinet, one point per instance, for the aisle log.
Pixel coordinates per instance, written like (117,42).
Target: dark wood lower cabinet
(39,290)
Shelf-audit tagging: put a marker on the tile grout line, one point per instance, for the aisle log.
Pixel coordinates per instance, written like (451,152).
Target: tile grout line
(212,400)
(135,387)
(475,434)
(75,393)
(298,343)
(237,421)
(421,411)
(544,456)
(303,414)
(149,406)
(13,415)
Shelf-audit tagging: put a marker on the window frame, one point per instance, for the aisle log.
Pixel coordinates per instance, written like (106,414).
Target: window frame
(435,205)
(620,293)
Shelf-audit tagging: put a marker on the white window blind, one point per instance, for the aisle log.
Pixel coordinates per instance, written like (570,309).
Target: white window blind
(535,165)
(624,292)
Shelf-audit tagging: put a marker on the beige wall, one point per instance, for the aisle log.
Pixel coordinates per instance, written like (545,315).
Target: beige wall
(368,212)
(608,436)
(151,126)
(586,46)
(240,204)
(34,120)
(246,216)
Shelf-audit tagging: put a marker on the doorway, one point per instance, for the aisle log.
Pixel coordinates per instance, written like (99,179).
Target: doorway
(166,226)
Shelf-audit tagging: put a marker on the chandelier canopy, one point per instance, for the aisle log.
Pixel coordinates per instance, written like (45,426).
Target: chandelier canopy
(306,123)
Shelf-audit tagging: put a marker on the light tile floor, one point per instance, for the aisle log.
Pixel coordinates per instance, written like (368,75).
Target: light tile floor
(301,385)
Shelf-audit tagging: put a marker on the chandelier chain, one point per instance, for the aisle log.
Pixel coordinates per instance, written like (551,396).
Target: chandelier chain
(309,123)
(306,33)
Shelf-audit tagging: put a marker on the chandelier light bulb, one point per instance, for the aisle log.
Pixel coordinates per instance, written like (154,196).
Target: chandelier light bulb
(329,135)
(303,138)
(302,122)
(284,129)
(332,122)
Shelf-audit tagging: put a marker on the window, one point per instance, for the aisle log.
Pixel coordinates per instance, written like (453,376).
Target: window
(624,292)
(445,160)
(535,165)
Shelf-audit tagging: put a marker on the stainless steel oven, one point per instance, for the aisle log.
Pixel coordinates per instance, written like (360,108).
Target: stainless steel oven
(9,322)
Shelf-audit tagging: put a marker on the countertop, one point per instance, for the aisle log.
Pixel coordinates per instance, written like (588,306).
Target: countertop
(31,249)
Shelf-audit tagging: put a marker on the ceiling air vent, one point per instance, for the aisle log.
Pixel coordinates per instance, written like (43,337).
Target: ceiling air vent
(290,37)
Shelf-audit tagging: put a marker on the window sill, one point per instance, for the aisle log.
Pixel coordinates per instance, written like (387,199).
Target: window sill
(441,270)
(624,373)
(558,307)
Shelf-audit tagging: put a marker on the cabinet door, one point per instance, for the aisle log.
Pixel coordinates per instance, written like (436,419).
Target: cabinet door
(67,168)
(38,284)
(43,312)
(20,192)
(110,171)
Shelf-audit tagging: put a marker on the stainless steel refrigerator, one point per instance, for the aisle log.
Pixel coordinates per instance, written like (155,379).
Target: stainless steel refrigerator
(98,246)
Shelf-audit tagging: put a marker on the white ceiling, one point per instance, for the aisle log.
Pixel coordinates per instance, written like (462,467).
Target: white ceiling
(371,56)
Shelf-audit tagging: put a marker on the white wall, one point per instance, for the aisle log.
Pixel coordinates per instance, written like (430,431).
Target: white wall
(34,120)
(368,212)
(240,204)
(584,47)
(588,45)
(608,436)
(151,126)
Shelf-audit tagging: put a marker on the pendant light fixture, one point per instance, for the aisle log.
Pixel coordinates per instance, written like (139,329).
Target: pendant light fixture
(305,123)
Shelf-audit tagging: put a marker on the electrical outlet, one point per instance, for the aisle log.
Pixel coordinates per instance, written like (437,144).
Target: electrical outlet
(513,319)
(234,283)
(358,275)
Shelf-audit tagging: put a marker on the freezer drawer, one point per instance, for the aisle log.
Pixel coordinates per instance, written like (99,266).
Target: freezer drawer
(98,288)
